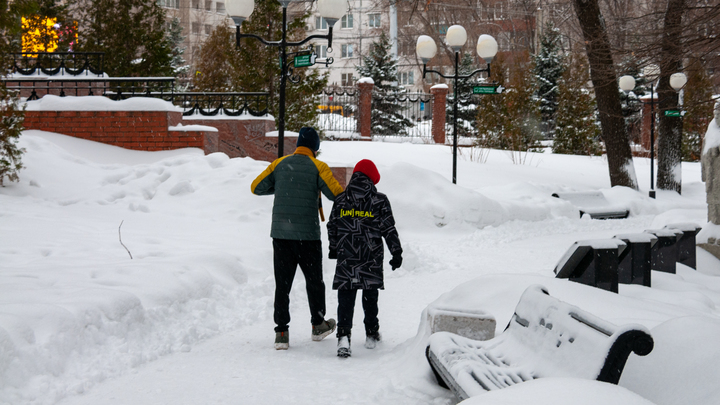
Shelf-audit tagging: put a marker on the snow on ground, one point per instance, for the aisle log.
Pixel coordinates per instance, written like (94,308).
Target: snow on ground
(188,319)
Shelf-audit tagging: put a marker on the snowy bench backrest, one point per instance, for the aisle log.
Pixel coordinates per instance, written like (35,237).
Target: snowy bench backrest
(561,340)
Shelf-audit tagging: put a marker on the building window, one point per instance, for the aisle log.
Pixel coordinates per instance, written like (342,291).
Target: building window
(406,78)
(196,4)
(347,21)
(208,29)
(195,28)
(374,20)
(321,51)
(499,15)
(347,79)
(346,51)
(169,3)
(320,23)
(208,5)
(220,8)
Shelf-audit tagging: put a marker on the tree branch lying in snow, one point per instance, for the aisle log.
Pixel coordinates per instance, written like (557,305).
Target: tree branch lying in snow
(120,237)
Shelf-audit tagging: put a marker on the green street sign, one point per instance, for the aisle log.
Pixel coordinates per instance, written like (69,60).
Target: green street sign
(305,60)
(488,89)
(673,113)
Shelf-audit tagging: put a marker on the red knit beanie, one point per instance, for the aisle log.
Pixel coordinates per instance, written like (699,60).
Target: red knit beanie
(367,167)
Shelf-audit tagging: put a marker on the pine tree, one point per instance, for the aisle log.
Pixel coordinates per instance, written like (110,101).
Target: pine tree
(699,111)
(467,103)
(176,38)
(11,126)
(11,116)
(213,69)
(510,120)
(548,71)
(131,33)
(492,112)
(255,67)
(380,66)
(577,130)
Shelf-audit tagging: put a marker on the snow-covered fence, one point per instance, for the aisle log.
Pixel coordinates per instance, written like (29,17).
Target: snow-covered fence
(546,337)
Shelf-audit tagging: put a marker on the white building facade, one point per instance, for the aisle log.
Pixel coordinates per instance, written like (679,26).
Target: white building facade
(352,37)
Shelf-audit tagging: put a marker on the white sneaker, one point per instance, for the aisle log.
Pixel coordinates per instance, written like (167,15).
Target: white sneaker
(371,341)
(344,347)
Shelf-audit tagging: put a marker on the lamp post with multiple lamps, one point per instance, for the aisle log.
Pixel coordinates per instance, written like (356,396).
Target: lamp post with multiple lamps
(456,37)
(651,73)
(330,10)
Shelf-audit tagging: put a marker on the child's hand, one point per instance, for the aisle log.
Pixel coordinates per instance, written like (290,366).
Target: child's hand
(332,254)
(396,261)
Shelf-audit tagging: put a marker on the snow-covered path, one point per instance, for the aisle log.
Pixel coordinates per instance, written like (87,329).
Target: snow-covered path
(242,367)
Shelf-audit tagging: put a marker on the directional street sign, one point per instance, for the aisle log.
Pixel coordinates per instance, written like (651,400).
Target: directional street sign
(673,113)
(305,60)
(488,89)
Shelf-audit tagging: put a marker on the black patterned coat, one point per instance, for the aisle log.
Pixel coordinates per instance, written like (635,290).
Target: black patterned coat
(360,218)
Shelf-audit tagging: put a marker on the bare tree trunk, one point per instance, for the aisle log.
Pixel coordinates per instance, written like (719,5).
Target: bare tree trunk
(602,74)
(670,128)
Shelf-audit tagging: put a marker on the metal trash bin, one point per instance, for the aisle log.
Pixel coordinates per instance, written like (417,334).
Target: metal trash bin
(634,262)
(593,263)
(686,245)
(664,253)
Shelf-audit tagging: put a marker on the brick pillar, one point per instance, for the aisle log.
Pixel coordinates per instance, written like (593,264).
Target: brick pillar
(364,122)
(439,93)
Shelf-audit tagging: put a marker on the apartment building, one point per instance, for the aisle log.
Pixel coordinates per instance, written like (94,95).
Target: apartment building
(198,19)
(352,37)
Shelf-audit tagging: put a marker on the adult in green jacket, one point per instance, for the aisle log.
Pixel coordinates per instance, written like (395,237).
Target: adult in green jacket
(296,181)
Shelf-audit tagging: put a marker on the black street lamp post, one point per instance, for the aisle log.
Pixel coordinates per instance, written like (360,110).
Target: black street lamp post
(330,10)
(456,37)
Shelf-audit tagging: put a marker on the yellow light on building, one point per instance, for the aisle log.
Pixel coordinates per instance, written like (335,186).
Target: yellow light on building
(39,34)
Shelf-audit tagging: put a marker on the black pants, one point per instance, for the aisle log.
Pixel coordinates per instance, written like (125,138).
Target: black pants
(346,308)
(287,255)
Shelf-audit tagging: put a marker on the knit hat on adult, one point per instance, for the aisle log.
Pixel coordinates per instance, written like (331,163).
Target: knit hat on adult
(368,168)
(309,138)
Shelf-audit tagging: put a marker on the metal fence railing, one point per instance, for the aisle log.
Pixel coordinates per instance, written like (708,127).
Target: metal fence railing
(116,88)
(230,103)
(338,107)
(120,88)
(58,63)
(410,114)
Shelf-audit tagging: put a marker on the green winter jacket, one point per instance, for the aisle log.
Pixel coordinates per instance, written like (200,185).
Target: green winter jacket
(296,181)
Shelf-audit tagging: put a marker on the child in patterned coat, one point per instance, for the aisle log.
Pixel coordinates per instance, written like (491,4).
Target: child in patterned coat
(361,217)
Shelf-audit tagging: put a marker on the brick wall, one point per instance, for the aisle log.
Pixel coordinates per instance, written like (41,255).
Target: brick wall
(138,130)
(246,138)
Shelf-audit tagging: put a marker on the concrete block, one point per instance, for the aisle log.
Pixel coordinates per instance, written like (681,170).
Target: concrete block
(477,325)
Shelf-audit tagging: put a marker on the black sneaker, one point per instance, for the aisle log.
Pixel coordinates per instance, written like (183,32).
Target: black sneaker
(372,340)
(282,340)
(319,332)
(344,350)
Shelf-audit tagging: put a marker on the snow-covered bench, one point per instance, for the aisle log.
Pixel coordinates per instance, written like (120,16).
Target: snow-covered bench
(545,338)
(594,204)
(592,262)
